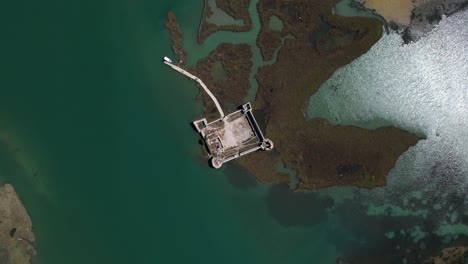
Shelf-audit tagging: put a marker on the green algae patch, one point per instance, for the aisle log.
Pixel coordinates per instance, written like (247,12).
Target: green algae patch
(390,235)
(452,230)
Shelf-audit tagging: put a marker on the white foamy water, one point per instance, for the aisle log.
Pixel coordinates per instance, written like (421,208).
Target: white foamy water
(421,87)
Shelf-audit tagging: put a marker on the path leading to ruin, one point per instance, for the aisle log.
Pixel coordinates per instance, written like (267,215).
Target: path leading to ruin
(200,82)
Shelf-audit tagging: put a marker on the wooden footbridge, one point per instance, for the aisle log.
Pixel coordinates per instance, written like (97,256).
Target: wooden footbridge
(199,81)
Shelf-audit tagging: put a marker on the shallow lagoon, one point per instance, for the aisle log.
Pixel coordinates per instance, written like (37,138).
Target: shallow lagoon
(96,137)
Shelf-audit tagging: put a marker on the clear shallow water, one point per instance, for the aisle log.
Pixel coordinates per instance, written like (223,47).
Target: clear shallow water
(196,51)
(96,137)
(421,87)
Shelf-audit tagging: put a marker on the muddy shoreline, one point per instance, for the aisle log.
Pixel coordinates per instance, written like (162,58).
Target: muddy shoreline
(176,37)
(16,236)
(413,19)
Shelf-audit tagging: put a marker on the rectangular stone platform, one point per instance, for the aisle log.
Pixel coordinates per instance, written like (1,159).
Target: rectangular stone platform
(232,136)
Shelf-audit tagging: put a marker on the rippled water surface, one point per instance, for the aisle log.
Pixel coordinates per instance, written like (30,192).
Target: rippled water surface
(421,87)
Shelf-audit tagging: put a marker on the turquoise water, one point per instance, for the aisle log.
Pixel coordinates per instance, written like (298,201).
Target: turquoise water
(95,135)
(197,51)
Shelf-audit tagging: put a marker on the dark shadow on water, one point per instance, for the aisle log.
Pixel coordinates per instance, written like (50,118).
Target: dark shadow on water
(297,209)
(361,238)
(238,176)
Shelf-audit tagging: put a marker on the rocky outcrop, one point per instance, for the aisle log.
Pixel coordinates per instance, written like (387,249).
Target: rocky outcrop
(16,236)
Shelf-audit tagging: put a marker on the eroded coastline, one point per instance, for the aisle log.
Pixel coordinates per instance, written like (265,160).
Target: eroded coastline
(16,236)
